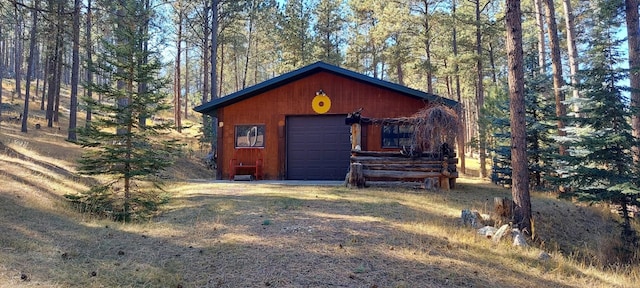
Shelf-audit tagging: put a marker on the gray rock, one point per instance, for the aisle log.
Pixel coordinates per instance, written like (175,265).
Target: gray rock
(487,231)
(470,218)
(544,256)
(500,233)
(518,238)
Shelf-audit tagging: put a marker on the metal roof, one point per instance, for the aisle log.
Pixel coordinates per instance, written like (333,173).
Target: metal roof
(211,106)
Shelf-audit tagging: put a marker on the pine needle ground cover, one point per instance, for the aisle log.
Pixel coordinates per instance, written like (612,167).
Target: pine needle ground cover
(249,234)
(261,234)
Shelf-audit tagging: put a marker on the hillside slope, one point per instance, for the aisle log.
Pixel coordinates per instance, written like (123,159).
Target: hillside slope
(255,234)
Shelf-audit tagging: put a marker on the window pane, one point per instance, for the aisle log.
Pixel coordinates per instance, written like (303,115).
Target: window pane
(396,135)
(250,135)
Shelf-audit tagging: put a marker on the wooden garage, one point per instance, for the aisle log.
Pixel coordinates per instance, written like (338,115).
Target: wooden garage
(293,126)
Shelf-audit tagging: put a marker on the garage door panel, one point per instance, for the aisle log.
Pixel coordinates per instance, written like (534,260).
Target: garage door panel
(318,147)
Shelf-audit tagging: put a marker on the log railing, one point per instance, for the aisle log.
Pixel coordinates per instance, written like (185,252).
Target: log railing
(394,166)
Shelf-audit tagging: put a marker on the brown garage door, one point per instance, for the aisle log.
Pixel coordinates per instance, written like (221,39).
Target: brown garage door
(318,147)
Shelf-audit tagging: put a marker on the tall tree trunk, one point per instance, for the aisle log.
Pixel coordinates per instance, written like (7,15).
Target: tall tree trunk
(556,65)
(56,108)
(214,48)
(205,55)
(249,41)
(519,162)
(30,62)
(633,39)
(492,61)
(17,58)
(55,59)
(75,73)
(89,51)
(144,47)
(51,80)
(45,77)
(462,138)
(206,121)
(542,59)
(37,74)
(427,46)
(235,55)
(447,80)
(222,61)
(2,52)
(186,79)
(177,87)
(571,46)
(482,139)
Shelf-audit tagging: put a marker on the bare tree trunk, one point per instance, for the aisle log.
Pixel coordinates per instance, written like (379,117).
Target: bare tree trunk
(492,61)
(520,173)
(482,139)
(37,72)
(205,62)
(571,46)
(205,54)
(75,73)
(631,7)
(448,81)
(177,86)
(249,41)
(18,54)
(462,138)
(30,62)
(214,48)
(222,61)
(542,59)
(56,108)
(53,79)
(186,79)
(235,64)
(556,66)
(45,78)
(2,52)
(427,46)
(89,51)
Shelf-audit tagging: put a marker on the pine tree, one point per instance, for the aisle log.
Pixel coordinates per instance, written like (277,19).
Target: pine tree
(539,114)
(600,164)
(115,143)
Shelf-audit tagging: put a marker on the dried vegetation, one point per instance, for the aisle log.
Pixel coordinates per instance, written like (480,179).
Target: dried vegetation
(268,234)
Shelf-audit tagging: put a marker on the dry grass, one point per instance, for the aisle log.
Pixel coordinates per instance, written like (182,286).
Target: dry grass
(261,234)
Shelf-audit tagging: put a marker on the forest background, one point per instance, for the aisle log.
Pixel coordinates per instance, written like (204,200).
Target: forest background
(452,48)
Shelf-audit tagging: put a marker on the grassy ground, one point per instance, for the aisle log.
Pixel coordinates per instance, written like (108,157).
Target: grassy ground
(257,234)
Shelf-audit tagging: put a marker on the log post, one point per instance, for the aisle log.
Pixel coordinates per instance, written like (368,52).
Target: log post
(356,176)
(444,178)
(356,136)
(444,183)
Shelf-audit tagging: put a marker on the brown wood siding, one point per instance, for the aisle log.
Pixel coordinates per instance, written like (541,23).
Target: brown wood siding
(295,98)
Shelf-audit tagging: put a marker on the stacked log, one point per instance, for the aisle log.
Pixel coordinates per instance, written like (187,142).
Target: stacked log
(394,166)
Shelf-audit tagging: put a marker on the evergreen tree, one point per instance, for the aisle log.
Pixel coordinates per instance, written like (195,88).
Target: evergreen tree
(600,166)
(329,31)
(115,143)
(540,113)
(295,37)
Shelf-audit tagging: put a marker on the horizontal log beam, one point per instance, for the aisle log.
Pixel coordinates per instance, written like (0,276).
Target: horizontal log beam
(404,174)
(399,160)
(409,167)
(434,155)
